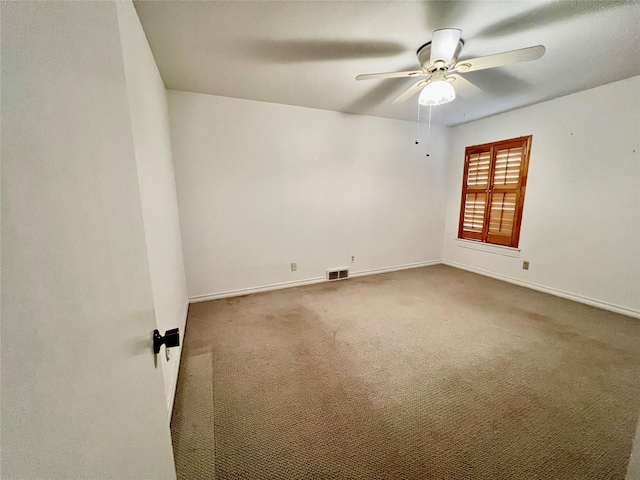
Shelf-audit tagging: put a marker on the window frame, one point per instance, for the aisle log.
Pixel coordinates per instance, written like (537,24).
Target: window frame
(485,236)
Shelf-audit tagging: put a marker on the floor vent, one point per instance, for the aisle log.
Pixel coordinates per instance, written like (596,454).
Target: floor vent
(337,274)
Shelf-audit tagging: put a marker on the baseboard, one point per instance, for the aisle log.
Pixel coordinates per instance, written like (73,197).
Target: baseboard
(406,266)
(263,288)
(552,291)
(176,364)
(534,286)
(300,283)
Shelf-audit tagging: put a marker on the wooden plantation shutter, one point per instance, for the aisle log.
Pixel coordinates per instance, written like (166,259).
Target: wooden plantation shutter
(493,187)
(475,192)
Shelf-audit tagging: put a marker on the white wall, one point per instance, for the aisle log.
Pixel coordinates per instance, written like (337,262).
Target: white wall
(81,397)
(152,142)
(262,185)
(633,468)
(581,221)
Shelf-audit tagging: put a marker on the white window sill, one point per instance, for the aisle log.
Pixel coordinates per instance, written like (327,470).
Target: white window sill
(487,247)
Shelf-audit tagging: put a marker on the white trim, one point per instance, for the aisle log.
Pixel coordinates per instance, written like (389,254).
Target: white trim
(300,283)
(553,291)
(176,363)
(407,266)
(488,247)
(264,288)
(534,286)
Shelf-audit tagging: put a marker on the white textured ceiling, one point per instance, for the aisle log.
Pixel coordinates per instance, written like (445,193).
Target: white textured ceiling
(308,53)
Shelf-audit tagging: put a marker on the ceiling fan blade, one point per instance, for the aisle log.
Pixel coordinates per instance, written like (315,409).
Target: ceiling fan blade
(408,93)
(410,73)
(500,59)
(464,88)
(443,44)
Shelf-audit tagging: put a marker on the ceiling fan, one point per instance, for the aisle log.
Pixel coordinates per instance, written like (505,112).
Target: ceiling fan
(440,65)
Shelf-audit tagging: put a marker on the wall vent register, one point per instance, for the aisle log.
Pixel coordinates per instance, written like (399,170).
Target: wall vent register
(339,274)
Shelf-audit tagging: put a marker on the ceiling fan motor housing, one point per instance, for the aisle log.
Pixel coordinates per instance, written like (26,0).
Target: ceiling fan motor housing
(424,57)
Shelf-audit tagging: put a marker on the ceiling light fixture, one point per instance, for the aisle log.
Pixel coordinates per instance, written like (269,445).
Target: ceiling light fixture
(438,91)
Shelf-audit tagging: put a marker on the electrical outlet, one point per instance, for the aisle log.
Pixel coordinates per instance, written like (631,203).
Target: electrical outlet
(353,258)
(525,265)
(294,267)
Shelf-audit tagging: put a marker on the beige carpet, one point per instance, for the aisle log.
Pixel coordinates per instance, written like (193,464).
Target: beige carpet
(419,374)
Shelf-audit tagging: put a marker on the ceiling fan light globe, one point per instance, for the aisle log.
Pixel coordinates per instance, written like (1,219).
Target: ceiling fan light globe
(437,93)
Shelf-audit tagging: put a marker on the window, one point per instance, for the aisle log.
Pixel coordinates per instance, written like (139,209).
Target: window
(493,187)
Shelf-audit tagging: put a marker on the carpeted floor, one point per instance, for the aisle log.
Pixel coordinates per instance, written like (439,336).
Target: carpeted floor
(425,373)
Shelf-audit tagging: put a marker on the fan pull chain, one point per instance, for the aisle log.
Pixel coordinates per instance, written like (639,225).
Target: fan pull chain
(429,135)
(418,124)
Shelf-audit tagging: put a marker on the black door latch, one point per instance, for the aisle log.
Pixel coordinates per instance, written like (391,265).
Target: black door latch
(171,339)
